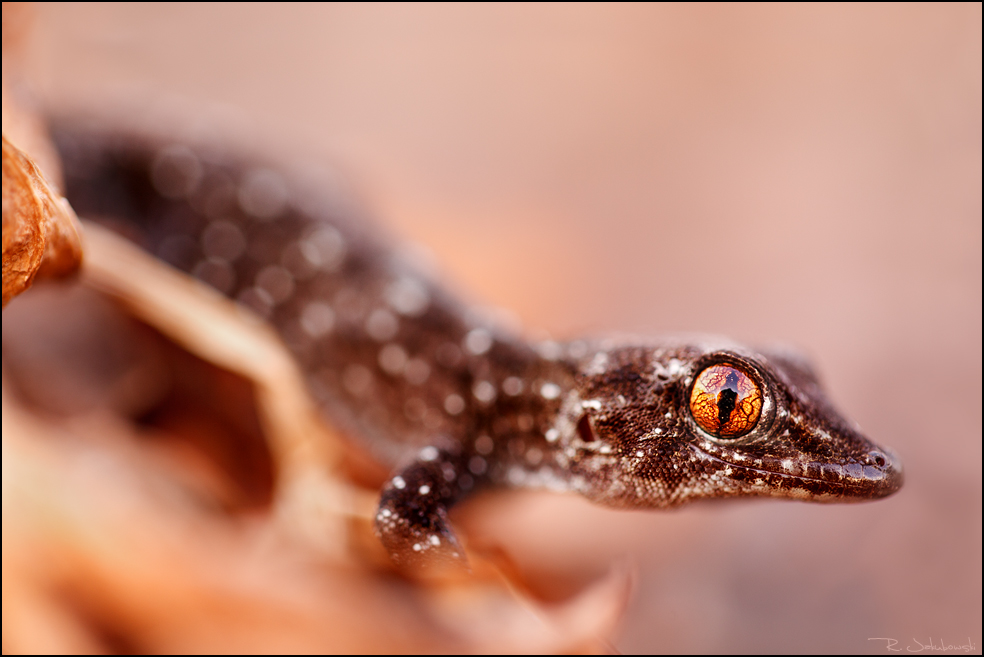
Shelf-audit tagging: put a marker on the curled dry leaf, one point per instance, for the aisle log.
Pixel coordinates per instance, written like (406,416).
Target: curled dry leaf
(110,544)
(40,230)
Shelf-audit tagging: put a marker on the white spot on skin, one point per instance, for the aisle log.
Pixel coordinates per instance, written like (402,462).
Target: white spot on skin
(821,434)
(324,249)
(484,391)
(551,435)
(428,453)
(392,358)
(399,483)
(577,349)
(263,194)
(640,454)
(591,403)
(484,445)
(454,404)
(512,386)
(424,490)
(434,540)
(550,390)
(408,297)
(598,363)
(478,341)
(382,325)
(317,319)
(549,350)
(417,547)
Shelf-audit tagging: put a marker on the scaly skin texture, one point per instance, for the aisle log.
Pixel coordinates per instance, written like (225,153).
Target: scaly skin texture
(454,402)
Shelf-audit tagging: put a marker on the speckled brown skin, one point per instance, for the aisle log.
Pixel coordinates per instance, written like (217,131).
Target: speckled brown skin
(453,401)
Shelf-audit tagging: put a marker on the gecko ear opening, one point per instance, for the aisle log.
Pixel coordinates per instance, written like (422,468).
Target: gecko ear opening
(585,430)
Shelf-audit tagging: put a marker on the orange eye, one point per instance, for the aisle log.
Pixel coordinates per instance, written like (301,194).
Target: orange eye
(725,401)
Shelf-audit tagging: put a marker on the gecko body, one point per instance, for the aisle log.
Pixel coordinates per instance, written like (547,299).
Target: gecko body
(451,400)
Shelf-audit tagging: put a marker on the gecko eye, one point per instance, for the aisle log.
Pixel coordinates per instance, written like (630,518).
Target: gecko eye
(726,401)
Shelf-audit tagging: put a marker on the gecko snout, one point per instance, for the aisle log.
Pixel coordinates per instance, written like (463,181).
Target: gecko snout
(883,467)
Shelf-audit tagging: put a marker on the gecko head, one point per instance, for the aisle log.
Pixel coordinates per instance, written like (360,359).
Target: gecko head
(660,426)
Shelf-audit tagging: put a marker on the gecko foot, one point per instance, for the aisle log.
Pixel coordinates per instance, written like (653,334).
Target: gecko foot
(412,519)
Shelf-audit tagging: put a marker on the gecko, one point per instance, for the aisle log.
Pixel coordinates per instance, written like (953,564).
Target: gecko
(451,400)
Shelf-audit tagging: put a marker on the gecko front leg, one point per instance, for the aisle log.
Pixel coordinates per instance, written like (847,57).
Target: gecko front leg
(412,519)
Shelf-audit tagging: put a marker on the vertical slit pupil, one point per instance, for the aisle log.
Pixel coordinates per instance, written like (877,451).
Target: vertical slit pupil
(727,400)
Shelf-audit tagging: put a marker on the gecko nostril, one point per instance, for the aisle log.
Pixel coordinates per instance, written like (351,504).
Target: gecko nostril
(877,458)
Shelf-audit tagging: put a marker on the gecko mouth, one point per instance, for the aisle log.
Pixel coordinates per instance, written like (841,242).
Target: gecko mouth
(879,477)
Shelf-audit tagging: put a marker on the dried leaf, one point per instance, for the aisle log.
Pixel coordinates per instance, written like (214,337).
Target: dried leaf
(40,230)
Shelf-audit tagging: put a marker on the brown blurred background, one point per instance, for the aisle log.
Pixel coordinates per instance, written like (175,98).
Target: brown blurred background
(802,174)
